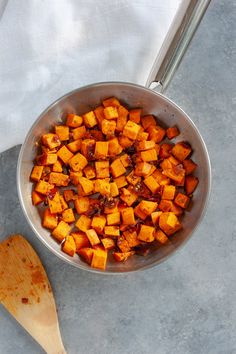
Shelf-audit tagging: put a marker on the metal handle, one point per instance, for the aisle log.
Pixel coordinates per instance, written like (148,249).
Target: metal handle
(177,40)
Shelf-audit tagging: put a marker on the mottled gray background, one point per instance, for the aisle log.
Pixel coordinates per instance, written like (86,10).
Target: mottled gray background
(187,304)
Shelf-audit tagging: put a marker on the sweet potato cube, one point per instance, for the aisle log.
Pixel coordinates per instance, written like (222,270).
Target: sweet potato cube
(131,130)
(102,169)
(73,120)
(90,119)
(59,179)
(172,132)
(74,177)
(98,223)
(142,169)
(147,207)
(57,166)
(125,142)
(152,184)
(117,168)
(165,205)
(168,192)
(99,259)
(69,246)
(122,256)
(54,203)
(61,231)
(87,147)
(176,173)
(128,216)
(37,198)
(112,101)
(139,213)
(181,151)
(148,121)
(112,231)
(120,122)
(191,183)
(128,196)
(110,112)
(114,147)
(82,205)
(68,215)
(89,172)
(78,162)
(79,133)
(146,233)
(165,150)
(64,205)
(182,200)
(101,150)
(81,240)
(64,154)
(135,115)
(74,146)
(36,173)
(149,155)
(68,195)
(49,219)
(43,187)
(113,219)
(168,222)
(86,253)
(161,237)
(86,185)
(160,178)
(120,182)
(176,209)
(51,140)
(108,243)
(126,160)
(155,217)
(62,131)
(146,145)
(142,135)
(92,237)
(156,133)
(47,158)
(99,113)
(189,166)
(132,178)
(114,189)
(123,244)
(108,127)
(132,238)
(102,186)
(83,223)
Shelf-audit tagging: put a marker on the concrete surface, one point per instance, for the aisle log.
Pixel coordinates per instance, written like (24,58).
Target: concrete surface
(187,304)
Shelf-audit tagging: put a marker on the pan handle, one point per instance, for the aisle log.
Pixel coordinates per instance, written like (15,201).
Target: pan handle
(177,40)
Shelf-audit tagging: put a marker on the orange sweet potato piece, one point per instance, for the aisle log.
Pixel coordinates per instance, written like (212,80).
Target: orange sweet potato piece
(191,183)
(124,141)
(82,205)
(156,133)
(120,181)
(189,166)
(99,259)
(160,236)
(47,158)
(59,179)
(73,120)
(87,147)
(113,218)
(128,196)
(128,216)
(65,154)
(149,155)
(108,127)
(148,121)
(92,237)
(122,118)
(182,200)
(111,101)
(111,112)
(62,131)
(57,166)
(101,150)
(112,231)
(51,140)
(102,169)
(145,145)
(135,115)
(132,238)
(131,130)
(172,132)
(165,150)
(114,147)
(86,185)
(152,184)
(155,217)
(169,223)
(49,220)
(176,173)
(147,207)
(81,240)
(61,231)
(68,215)
(168,192)
(122,256)
(69,246)
(117,168)
(108,243)
(89,172)
(83,223)
(146,233)
(74,177)
(102,186)
(165,205)
(132,178)
(142,169)
(90,119)
(74,146)
(181,151)
(43,187)
(79,133)
(99,113)
(98,223)
(78,162)
(36,173)
(54,203)
(37,198)
(86,254)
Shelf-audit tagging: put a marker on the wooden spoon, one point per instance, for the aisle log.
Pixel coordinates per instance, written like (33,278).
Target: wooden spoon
(26,293)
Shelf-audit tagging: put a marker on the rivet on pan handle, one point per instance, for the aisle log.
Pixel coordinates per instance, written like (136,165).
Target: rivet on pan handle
(177,40)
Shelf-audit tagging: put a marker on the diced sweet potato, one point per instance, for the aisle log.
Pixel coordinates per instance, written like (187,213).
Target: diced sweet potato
(111,112)
(169,223)
(114,189)
(43,187)
(156,133)
(82,205)
(120,181)
(149,155)
(98,223)
(102,186)
(108,127)
(47,158)
(146,145)
(155,217)
(176,209)
(102,169)
(189,166)
(142,169)
(99,259)
(168,192)
(172,132)
(182,200)
(146,233)
(126,160)
(59,179)
(139,213)
(57,166)
(74,177)
(165,205)
(176,173)
(135,115)
(147,207)
(110,210)
(112,231)
(117,168)
(87,147)
(114,147)
(181,151)
(131,130)
(108,243)
(89,172)
(113,219)
(61,231)
(123,244)
(142,135)
(69,246)
(160,178)
(128,216)
(101,150)
(132,238)
(191,183)
(148,121)
(92,237)
(112,101)
(132,178)
(99,114)
(152,184)
(36,173)
(37,198)
(49,220)
(74,146)
(62,131)
(165,150)
(122,256)
(73,120)
(78,162)
(79,133)
(68,216)
(122,118)
(128,196)
(54,203)
(68,195)
(90,119)
(86,185)
(86,254)
(161,237)
(125,142)
(51,140)
(64,154)
(83,223)
(81,240)
(64,205)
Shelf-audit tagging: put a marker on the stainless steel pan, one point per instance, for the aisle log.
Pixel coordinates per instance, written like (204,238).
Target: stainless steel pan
(168,113)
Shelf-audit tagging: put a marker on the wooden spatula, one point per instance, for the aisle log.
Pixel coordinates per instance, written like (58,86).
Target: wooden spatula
(26,293)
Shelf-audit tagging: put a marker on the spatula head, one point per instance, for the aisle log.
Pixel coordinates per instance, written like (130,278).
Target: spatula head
(26,293)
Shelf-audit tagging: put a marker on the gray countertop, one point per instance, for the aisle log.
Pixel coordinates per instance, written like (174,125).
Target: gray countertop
(187,304)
